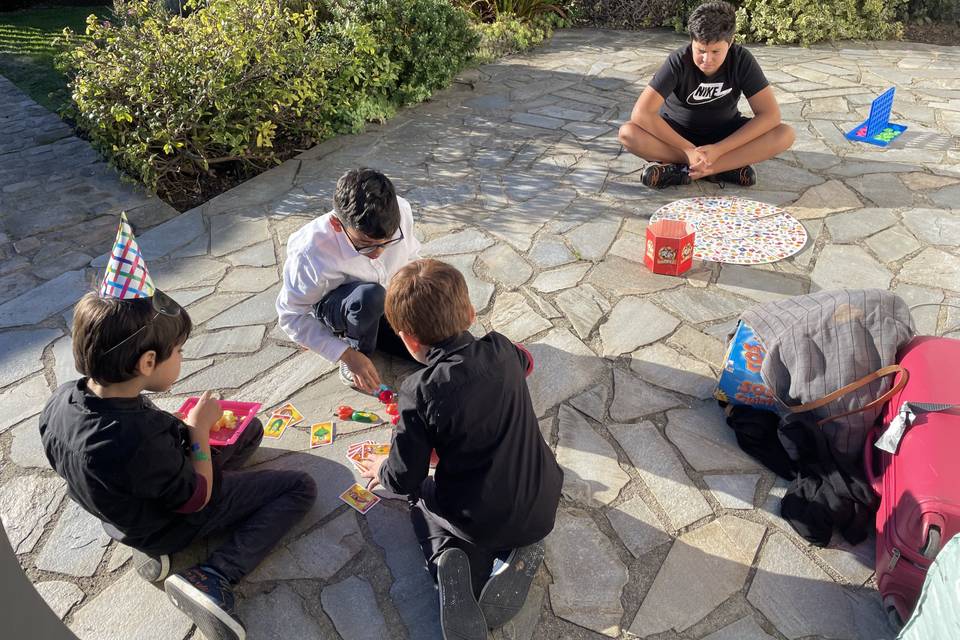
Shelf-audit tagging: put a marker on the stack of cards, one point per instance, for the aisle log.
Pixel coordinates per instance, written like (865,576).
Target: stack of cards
(362,450)
(359,498)
(321,434)
(285,416)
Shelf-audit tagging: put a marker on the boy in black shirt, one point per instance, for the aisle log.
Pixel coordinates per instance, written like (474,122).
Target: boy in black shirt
(149,476)
(687,117)
(497,486)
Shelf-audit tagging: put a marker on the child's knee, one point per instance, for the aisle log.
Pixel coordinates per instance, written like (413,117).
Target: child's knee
(785,136)
(371,297)
(628,133)
(307,488)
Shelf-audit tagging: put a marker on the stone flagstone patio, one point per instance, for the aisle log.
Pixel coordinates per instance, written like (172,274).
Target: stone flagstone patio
(667,530)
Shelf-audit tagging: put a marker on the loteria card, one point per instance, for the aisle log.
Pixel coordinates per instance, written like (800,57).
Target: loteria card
(276,425)
(359,498)
(321,433)
(381,449)
(289,410)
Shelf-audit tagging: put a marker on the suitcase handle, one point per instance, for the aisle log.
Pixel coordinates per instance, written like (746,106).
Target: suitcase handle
(876,483)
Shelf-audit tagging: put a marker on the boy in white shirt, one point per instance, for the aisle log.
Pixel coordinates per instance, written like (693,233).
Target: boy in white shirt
(337,270)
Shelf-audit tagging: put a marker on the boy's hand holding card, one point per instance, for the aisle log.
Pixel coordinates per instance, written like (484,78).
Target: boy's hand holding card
(370,469)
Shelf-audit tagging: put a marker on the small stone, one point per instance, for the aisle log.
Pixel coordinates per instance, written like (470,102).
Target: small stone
(259,255)
(280,613)
(516,319)
(505,266)
(592,475)
(44,300)
(250,279)
(564,367)
(634,398)
(742,629)
(26,505)
(637,526)
(352,606)
(260,309)
(22,401)
(856,225)
(578,554)
(662,473)
(584,307)
(699,344)
(22,351)
(592,402)
(469,241)
(634,323)
(316,556)
(27,448)
(236,340)
(59,596)
(933,268)
(893,244)
(701,305)
(76,545)
(562,278)
(822,200)
(664,367)
(719,554)
(705,440)
(590,241)
(933,226)
(551,252)
(234,372)
(480,291)
(733,491)
(757,284)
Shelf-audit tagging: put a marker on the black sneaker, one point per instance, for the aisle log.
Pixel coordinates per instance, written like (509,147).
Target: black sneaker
(744,176)
(207,599)
(658,176)
(460,615)
(506,590)
(151,568)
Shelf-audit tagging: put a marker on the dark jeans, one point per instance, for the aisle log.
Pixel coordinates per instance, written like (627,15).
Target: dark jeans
(354,312)
(255,508)
(435,535)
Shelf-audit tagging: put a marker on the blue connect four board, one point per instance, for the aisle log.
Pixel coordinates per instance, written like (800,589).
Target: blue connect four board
(878,129)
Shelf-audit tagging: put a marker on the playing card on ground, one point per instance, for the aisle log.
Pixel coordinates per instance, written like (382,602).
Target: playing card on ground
(289,410)
(321,434)
(359,498)
(276,425)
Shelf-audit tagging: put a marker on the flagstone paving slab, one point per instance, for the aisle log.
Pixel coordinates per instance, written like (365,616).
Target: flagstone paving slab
(591,474)
(733,491)
(633,323)
(352,606)
(60,596)
(664,367)
(633,398)
(76,545)
(22,352)
(516,319)
(584,307)
(26,505)
(593,402)
(637,526)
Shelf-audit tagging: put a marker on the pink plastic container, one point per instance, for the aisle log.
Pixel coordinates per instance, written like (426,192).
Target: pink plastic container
(245,412)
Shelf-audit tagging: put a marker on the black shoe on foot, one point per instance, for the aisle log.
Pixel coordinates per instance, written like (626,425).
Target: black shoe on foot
(658,176)
(151,568)
(460,615)
(506,590)
(207,599)
(744,176)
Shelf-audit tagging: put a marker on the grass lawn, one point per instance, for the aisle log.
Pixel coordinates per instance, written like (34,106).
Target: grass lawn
(27,51)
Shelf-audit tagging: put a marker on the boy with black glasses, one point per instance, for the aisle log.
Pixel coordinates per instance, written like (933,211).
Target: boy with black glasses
(337,270)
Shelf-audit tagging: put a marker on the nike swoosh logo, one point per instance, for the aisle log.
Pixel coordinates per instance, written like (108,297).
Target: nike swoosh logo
(695,99)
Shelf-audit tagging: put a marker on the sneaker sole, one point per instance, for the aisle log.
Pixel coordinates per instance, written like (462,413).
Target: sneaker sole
(155,576)
(213,622)
(460,616)
(505,593)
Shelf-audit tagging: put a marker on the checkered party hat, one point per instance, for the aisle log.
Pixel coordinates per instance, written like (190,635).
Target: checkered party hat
(126,277)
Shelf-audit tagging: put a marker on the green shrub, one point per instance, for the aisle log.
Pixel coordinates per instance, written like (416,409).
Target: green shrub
(428,41)
(509,34)
(809,21)
(489,11)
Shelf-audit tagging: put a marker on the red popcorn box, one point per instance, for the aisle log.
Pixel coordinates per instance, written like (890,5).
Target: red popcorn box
(669,247)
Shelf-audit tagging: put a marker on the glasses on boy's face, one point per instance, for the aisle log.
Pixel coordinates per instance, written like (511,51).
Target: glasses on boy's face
(162,304)
(367,249)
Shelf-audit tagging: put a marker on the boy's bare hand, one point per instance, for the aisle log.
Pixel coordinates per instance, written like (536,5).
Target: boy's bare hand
(695,159)
(205,413)
(365,376)
(370,469)
(710,154)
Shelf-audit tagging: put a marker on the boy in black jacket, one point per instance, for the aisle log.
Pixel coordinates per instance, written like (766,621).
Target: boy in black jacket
(687,120)
(497,486)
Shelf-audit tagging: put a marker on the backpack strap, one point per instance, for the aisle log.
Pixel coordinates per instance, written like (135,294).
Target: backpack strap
(853,386)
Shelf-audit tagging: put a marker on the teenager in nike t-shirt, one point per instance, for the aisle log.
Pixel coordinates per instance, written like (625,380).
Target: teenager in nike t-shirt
(686,121)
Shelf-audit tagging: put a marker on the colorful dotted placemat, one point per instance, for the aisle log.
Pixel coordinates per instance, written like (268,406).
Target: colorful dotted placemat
(736,230)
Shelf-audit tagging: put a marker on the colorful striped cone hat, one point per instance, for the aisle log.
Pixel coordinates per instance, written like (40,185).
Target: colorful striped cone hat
(126,276)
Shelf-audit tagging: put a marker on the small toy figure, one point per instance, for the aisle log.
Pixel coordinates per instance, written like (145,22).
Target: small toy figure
(395,420)
(344,412)
(392,409)
(386,396)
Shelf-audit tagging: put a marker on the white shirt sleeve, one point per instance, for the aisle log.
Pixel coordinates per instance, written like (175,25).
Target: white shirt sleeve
(303,287)
(413,244)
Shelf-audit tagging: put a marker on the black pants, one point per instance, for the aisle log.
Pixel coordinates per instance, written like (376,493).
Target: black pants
(255,509)
(354,311)
(435,535)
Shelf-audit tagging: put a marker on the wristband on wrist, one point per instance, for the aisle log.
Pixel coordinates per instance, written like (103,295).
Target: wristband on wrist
(199,455)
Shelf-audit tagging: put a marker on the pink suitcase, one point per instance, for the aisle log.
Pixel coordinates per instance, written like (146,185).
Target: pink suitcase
(919,487)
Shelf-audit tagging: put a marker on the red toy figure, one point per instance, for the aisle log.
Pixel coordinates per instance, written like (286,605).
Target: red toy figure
(392,409)
(344,412)
(395,420)
(387,396)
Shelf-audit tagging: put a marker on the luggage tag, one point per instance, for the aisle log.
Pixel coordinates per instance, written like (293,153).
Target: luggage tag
(890,439)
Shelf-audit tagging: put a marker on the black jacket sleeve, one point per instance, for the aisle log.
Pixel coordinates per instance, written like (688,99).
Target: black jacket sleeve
(409,459)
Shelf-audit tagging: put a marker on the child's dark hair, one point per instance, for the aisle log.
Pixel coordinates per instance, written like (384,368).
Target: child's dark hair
(429,299)
(713,22)
(99,324)
(365,200)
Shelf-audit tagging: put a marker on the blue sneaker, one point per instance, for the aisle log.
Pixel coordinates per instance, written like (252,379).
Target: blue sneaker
(506,590)
(206,598)
(460,615)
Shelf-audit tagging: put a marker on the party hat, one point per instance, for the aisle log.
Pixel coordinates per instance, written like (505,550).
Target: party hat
(126,277)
